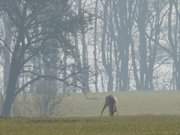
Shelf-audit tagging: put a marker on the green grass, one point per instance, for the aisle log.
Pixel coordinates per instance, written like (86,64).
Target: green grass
(124,125)
(140,113)
(130,103)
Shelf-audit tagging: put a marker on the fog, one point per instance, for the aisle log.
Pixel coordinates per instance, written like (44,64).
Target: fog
(54,50)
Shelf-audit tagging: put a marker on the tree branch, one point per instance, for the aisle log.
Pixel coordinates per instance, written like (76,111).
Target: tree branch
(38,77)
(3,42)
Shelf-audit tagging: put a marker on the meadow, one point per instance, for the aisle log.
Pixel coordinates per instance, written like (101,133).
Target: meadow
(130,103)
(140,113)
(124,125)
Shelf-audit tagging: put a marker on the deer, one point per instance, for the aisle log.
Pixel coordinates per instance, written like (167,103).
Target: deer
(111,103)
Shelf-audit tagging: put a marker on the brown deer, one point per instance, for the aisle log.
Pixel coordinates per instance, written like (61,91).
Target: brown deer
(111,103)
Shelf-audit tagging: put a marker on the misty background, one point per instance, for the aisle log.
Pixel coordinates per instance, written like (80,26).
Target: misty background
(53,48)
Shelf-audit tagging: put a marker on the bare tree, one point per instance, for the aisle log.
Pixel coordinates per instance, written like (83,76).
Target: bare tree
(33,27)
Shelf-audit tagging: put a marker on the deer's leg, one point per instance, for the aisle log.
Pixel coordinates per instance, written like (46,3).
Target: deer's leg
(104,107)
(111,110)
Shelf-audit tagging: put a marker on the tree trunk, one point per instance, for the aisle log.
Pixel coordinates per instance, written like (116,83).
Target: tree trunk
(85,73)
(10,90)
(95,47)
(143,42)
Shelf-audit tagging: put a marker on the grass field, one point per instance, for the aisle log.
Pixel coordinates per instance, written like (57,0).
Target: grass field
(130,103)
(124,125)
(140,113)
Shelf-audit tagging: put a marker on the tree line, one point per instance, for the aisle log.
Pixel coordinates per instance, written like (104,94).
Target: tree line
(53,47)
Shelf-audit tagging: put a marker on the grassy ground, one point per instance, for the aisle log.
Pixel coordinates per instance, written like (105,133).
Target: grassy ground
(130,103)
(140,113)
(124,125)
